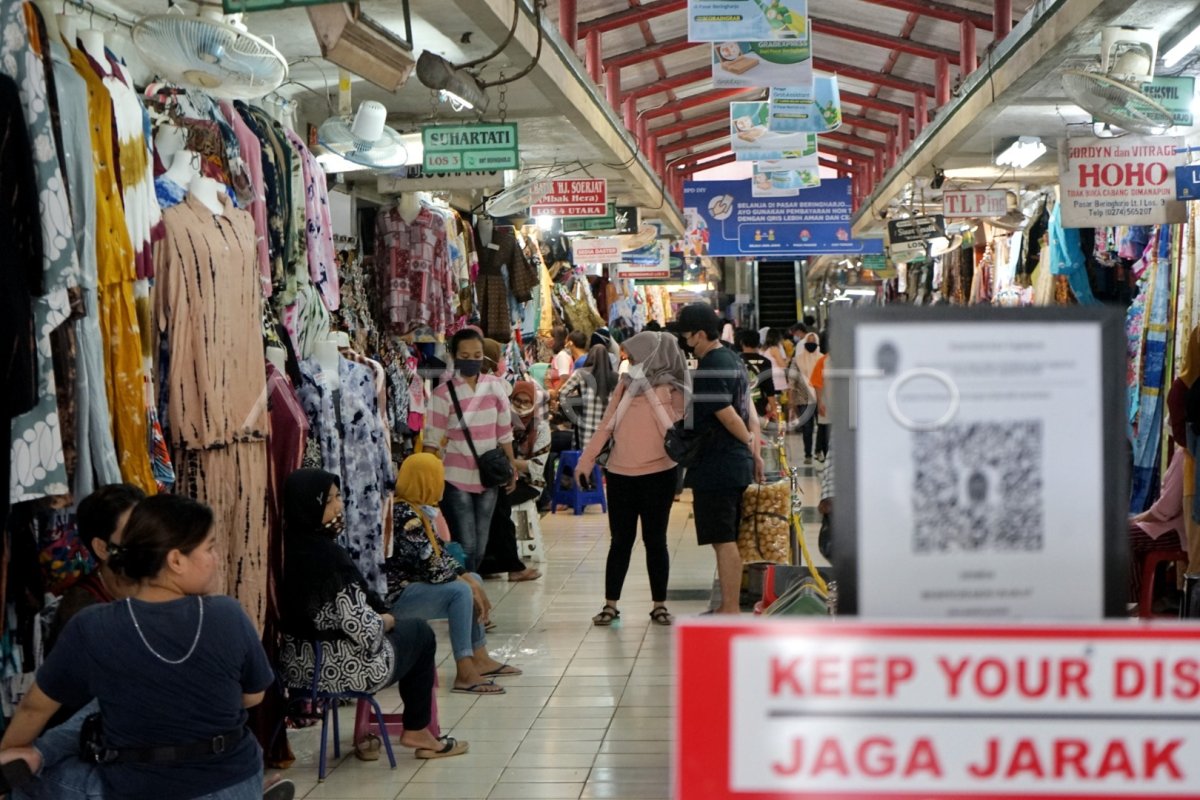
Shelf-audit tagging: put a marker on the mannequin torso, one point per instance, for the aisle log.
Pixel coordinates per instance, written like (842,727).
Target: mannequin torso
(409,206)
(326,355)
(93,45)
(208,192)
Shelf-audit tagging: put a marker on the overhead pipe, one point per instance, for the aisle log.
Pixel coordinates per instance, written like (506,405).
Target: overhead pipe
(659,86)
(885,40)
(938,10)
(941,83)
(1001,20)
(968,62)
(592,57)
(691,158)
(650,52)
(631,16)
(643,137)
(871,76)
(922,112)
(612,87)
(568,22)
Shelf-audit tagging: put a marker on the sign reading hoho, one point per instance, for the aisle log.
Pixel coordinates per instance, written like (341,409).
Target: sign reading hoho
(1125,181)
(571,198)
(773,710)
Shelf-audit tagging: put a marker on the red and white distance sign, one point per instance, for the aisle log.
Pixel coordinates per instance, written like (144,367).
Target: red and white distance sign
(837,711)
(571,198)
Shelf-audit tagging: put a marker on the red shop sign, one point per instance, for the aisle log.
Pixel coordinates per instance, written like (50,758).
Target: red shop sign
(571,198)
(843,711)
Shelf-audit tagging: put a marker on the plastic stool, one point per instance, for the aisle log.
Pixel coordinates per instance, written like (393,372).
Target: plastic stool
(528,523)
(576,496)
(364,723)
(1149,569)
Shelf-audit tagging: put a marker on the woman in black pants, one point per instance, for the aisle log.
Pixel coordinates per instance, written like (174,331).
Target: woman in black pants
(640,475)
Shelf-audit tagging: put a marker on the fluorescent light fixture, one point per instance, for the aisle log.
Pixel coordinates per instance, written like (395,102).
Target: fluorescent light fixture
(545,223)
(456,102)
(1186,45)
(359,44)
(459,86)
(1021,153)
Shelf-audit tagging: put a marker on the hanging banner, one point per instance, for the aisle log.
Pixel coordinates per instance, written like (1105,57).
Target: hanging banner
(571,198)
(811,163)
(975,203)
(783,183)
(804,108)
(808,155)
(833,710)
(748,132)
(650,262)
(725,219)
(744,65)
(749,20)
(1126,181)
(596,251)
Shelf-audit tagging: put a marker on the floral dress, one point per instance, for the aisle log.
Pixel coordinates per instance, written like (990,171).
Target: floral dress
(416,558)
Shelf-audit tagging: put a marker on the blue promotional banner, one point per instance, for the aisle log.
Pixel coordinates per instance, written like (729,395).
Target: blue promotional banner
(815,108)
(1187,182)
(725,219)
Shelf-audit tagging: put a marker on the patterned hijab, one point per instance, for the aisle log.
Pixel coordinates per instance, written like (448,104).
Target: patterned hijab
(527,437)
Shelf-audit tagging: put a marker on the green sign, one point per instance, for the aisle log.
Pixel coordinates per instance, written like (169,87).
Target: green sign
(481,147)
(1173,94)
(578,224)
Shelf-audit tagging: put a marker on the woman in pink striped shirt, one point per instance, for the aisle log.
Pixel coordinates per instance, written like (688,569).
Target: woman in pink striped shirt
(467,503)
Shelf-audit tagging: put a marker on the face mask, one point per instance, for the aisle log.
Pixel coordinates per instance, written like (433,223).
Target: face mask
(431,511)
(810,347)
(637,371)
(336,525)
(468,367)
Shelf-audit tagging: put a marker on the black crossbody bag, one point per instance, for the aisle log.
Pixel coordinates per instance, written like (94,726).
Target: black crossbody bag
(494,467)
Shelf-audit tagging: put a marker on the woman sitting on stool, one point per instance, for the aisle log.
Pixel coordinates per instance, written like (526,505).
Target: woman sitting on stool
(425,582)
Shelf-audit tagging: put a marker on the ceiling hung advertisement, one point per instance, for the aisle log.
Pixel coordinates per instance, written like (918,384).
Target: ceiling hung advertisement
(747,20)
(797,109)
(1125,181)
(749,133)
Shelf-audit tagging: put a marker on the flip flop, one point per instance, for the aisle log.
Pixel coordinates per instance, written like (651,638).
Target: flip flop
(475,688)
(526,575)
(453,747)
(283,790)
(503,671)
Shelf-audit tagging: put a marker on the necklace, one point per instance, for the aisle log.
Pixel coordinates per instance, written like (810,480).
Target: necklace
(155,653)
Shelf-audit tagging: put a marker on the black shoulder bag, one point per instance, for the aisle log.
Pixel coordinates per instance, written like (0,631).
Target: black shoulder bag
(494,467)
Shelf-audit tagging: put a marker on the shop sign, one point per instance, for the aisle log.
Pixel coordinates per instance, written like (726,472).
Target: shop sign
(975,203)
(571,198)
(1001,473)
(621,219)
(723,218)
(1126,181)
(478,147)
(909,239)
(741,65)
(1187,182)
(596,251)
(835,710)
(812,108)
(749,132)
(1176,95)
(747,20)
(652,262)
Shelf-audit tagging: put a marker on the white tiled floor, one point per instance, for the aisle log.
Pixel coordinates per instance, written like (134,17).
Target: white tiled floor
(591,716)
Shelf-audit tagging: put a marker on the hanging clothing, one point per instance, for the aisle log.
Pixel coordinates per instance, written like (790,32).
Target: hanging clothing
(416,280)
(318,226)
(355,447)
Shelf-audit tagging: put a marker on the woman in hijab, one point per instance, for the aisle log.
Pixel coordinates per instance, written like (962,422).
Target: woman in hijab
(325,598)
(531,445)
(1184,416)
(425,582)
(640,476)
(803,396)
(593,385)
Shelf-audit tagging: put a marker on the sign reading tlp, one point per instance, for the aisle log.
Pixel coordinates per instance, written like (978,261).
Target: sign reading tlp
(976,203)
(571,198)
(829,711)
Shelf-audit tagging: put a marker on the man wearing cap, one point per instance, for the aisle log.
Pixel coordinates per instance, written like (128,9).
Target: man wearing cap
(721,410)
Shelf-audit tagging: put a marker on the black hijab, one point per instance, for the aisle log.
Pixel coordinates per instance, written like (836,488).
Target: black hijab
(315,568)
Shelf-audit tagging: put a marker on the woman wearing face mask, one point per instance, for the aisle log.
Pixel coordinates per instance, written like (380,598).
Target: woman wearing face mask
(804,396)
(487,415)
(325,598)
(641,477)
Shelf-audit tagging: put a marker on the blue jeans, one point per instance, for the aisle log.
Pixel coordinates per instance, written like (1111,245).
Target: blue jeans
(451,601)
(65,777)
(469,516)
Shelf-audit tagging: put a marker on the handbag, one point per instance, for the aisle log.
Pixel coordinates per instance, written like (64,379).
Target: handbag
(684,445)
(494,467)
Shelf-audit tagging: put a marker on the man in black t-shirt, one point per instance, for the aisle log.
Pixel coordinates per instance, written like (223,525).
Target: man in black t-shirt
(758,369)
(731,459)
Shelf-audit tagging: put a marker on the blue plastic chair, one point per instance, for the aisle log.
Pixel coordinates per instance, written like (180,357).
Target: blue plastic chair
(576,497)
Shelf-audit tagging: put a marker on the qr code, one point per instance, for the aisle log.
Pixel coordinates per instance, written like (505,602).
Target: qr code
(978,487)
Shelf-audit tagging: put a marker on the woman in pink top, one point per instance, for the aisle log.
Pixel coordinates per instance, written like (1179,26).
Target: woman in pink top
(640,476)
(467,503)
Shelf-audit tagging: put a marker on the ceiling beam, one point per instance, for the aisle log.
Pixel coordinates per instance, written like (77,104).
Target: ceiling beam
(700,166)
(648,53)
(691,123)
(673,82)
(866,122)
(885,40)
(842,169)
(875,103)
(853,155)
(853,141)
(693,141)
(631,16)
(692,158)
(871,76)
(701,99)
(938,10)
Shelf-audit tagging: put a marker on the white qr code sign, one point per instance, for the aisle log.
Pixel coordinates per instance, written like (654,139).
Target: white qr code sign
(839,711)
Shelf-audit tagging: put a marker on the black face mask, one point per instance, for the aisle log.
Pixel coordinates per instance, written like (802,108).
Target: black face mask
(810,347)
(336,525)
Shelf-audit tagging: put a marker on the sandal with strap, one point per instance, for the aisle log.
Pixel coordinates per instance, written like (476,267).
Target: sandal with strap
(606,616)
(660,616)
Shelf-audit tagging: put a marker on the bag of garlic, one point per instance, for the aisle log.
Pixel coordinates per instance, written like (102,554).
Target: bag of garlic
(765,533)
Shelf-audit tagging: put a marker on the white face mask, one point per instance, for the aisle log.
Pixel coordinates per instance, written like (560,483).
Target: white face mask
(637,371)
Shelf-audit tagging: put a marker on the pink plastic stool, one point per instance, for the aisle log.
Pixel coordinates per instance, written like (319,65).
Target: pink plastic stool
(364,723)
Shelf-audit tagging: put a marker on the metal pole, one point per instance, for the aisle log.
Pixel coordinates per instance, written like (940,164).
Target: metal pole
(568,22)
(593,56)
(967,60)
(1001,19)
(941,83)
(905,131)
(891,149)
(612,86)
(629,111)
(643,135)
(922,109)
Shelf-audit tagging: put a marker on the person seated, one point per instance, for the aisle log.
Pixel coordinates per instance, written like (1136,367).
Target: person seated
(100,518)
(170,669)
(531,446)
(425,582)
(1161,527)
(325,598)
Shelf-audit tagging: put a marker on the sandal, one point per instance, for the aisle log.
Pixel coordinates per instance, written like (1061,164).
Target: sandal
(660,616)
(282,790)
(606,616)
(368,749)
(480,688)
(525,575)
(502,671)
(452,747)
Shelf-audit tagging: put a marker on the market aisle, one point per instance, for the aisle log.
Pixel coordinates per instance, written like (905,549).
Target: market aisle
(590,718)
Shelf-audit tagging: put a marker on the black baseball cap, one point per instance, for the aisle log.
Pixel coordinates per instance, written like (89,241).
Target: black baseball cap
(699,317)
